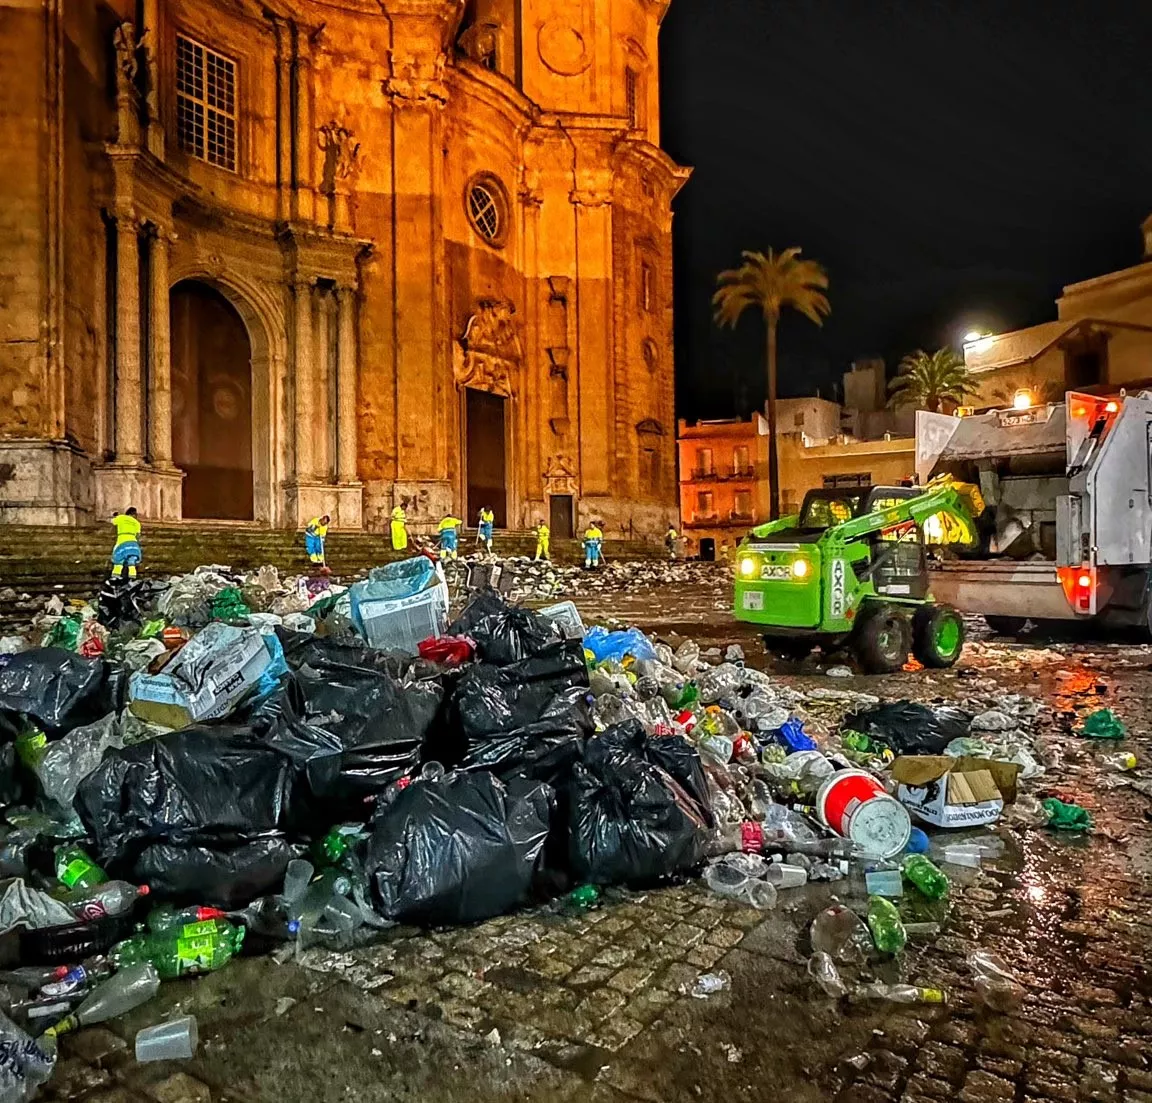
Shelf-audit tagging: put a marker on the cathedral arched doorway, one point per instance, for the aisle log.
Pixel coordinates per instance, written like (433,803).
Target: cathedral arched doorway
(211,402)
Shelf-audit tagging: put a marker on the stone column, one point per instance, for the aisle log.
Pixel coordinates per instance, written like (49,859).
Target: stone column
(304,369)
(346,386)
(160,370)
(129,400)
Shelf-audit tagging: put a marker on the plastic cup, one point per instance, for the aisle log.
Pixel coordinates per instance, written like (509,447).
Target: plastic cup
(174,1040)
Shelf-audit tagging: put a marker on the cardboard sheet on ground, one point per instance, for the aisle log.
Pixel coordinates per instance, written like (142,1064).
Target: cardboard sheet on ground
(955,792)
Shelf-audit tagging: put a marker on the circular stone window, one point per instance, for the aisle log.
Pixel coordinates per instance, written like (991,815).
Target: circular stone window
(487,208)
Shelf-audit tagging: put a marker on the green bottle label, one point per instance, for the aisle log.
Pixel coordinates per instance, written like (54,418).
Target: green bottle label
(194,930)
(75,870)
(195,954)
(30,747)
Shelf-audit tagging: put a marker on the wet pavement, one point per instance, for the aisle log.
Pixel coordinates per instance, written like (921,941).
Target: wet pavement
(544,1006)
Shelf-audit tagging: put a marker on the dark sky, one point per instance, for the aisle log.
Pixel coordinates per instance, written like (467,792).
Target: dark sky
(953,163)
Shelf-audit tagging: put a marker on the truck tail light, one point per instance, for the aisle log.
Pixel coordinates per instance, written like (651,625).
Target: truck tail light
(1079,584)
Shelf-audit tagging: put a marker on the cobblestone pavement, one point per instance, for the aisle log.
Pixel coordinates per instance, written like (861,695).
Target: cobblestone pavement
(541,1005)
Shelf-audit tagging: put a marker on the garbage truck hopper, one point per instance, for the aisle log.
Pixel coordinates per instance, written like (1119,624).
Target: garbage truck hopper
(1067,534)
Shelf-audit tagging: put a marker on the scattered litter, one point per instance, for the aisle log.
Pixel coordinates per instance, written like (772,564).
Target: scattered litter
(706,985)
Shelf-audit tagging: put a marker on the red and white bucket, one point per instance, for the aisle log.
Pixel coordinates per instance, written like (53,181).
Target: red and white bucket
(853,803)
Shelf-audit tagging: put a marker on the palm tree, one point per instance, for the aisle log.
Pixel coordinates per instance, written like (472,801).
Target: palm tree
(769,283)
(927,380)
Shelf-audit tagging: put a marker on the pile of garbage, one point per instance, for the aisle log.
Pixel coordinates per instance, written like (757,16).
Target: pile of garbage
(224,765)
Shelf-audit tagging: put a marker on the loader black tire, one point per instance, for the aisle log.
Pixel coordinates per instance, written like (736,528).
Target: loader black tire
(882,640)
(937,636)
(1005,626)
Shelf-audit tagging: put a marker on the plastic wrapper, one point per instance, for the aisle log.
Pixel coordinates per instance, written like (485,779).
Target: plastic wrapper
(686,657)
(188,600)
(140,654)
(216,785)
(12,645)
(720,683)
(448,650)
(604,644)
(70,759)
(223,877)
(995,985)
(458,850)
(23,906)
(24,1064)
(504,633)
(299,622)
(58,689)
(639,808)
(911,728)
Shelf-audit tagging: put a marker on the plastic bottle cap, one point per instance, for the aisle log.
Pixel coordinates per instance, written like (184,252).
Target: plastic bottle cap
(143,890)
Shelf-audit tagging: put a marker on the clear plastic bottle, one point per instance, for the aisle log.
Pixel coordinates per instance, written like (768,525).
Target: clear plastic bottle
(839,932)
(899,993)
(126,990)
(822,969)
(995,985)
(1122,761)
(727,880)
(297,878)
(110,898)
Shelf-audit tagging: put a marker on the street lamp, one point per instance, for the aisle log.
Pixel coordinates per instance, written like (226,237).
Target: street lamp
(973,335)
(1022,399)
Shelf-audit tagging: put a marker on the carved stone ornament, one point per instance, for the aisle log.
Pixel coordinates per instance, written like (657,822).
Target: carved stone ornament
(560,475)
(479,41)
(489,350)
(563,49)
(418,83)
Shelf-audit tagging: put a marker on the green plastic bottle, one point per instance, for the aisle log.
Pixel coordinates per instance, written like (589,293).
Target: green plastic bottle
(31,746)
(926,876)
(75,870)
(886,926)
(584,897)
(183,952)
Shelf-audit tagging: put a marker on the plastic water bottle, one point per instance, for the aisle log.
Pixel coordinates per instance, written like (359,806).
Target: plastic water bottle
(899,993)
(79,977)
(926,876)
(75,870)
(1120,760)
(822,969)
(728,880)
(839,932)
(884,922)
(132,986)
(185,951)
(110,898)
(168,918)
(297,877)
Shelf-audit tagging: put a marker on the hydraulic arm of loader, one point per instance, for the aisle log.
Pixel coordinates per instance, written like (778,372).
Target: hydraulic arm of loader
(939,497)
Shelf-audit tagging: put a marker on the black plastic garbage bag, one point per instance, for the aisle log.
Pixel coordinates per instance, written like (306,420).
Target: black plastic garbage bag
(458,850)
(352,718)
(504,633)
(211,785)
(911,728)
(492,699)
(222,877)
(639,808)
(58,689)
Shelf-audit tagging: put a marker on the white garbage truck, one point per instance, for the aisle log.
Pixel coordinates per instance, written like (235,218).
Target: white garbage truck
(1067,533)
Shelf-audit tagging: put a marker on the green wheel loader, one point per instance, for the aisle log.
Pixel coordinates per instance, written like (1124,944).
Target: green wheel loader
(850,570)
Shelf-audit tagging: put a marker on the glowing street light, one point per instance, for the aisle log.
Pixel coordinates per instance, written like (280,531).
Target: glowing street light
(1022,399)
(973,335)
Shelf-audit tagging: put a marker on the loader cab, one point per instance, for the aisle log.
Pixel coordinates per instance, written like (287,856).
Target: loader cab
(899,562)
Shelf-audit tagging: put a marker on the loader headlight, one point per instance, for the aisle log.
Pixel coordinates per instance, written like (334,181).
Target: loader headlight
(747,566)
(800,568)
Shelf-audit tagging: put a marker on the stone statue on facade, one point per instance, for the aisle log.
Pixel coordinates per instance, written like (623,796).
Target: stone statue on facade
(124,43)
(341,152)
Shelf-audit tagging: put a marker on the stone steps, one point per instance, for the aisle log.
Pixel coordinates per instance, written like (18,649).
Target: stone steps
(45,560)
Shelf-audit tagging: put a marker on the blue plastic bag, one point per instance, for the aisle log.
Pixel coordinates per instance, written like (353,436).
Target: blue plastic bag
(276,669)
(615,645)
(392,582)
(792,736)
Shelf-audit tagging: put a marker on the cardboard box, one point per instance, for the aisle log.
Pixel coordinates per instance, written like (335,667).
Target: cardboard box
(401,624)
(954,792)
(204,680)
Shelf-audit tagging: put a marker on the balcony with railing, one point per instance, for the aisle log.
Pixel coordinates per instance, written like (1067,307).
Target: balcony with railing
(722,474)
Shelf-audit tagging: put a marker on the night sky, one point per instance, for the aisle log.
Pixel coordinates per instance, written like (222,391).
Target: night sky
(952,163)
